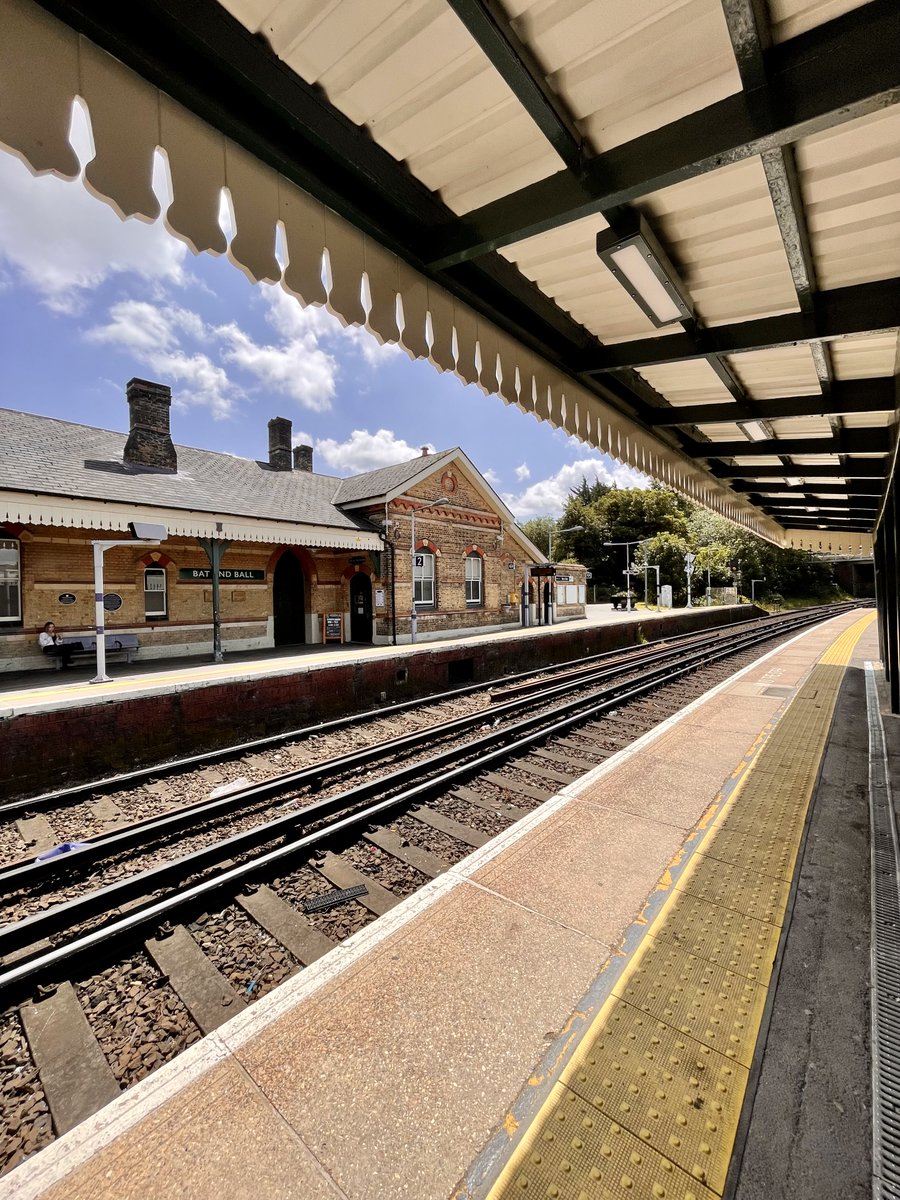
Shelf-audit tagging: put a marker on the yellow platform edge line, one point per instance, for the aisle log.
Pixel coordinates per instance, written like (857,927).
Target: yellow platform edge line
(817,689)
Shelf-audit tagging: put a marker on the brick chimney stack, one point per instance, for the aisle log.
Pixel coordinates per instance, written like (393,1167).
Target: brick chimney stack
(149,446)
(303,458)
(280,444)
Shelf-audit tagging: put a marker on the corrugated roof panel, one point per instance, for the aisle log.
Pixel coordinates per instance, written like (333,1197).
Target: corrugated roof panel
(850,178)
(781,371)
(763,460)
(864,357)
(721,233)
(789,18)
(725,431)
(564,265)
(690,382)
(411,72)
(626,69)
(873,420)
(801,427)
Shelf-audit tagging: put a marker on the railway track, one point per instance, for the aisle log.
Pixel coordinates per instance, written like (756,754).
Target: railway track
(135,964)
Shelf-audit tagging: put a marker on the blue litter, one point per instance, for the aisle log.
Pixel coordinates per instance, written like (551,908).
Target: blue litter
(250,989)
(62,848)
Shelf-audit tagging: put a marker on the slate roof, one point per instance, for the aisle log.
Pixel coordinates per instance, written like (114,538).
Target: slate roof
(48,456)
(387,481)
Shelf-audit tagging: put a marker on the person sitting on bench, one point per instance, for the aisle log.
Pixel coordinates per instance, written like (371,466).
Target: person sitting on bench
(52,644)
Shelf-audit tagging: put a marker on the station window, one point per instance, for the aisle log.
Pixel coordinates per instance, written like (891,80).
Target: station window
(155,595)
(423,579)
(10,582)
(474,578)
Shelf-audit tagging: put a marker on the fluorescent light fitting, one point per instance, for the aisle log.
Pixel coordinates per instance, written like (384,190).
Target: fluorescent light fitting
(637,260)
(755,430)
(793,482)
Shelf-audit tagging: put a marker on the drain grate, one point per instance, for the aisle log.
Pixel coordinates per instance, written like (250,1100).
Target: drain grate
(885,960)
(332,899)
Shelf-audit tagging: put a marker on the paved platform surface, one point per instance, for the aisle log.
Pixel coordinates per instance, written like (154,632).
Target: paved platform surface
(413,1060)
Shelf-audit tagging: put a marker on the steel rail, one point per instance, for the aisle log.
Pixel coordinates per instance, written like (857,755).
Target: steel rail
(32,969)
(96,847)
(493,746)
(79,791)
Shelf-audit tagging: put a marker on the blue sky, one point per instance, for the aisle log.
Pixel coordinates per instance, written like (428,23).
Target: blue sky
(88,301)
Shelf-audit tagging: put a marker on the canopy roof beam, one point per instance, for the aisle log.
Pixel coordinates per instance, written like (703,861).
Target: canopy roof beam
(834,73)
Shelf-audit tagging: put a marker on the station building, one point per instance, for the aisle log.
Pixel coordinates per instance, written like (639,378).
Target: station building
(307,557)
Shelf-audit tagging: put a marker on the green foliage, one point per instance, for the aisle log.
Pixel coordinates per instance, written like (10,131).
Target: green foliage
(669,525)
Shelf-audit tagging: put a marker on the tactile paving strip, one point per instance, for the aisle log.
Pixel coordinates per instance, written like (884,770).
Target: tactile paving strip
(649,1104)
(738,887)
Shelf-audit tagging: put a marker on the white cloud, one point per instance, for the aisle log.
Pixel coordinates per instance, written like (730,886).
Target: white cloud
(364,451)
(548,497)
(154,335)
(373,351)
(492,477)
(523,472)
(298,369)
(62,242)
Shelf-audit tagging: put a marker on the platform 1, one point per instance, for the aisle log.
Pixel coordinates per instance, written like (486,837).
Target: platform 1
(581,1008)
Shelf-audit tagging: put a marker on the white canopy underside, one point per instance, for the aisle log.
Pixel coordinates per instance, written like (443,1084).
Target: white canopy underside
(45,66)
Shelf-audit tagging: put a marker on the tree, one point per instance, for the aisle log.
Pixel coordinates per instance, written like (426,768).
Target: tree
(537,530)
(666,551)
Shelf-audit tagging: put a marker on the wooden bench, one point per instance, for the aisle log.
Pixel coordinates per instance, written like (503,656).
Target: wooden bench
(117,644)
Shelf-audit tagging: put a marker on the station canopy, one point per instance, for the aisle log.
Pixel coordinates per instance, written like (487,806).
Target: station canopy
(671,229)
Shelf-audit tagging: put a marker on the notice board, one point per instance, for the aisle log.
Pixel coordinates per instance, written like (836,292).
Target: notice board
(333,627)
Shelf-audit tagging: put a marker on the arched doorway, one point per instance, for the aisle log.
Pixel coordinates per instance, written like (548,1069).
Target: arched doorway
(288,602)
(360,608)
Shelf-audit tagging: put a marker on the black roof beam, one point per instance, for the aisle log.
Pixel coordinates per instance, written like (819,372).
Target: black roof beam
(860,309)
(845,396)
(515,62)
(834,73)
(846,441)
(853,489)
(800,503)
(854,468)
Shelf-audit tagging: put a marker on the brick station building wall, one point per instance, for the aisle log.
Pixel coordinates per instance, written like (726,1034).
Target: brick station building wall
(451,531)
(57,561)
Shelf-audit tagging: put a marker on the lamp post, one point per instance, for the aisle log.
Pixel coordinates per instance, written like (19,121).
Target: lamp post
(559,532)
(412,562)
(753,583)
(142,534)
(628,545)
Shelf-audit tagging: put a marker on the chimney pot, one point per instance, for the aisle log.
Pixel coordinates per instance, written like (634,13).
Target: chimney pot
(149,444)
(424,451)
(303,458)
(280,444)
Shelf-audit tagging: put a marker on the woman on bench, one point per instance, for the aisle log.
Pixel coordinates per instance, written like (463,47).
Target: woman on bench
(52,644)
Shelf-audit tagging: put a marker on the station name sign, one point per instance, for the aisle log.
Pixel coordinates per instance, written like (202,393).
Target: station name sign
(226,575)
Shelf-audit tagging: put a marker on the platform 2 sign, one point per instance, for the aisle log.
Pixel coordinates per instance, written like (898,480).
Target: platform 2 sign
(226,575)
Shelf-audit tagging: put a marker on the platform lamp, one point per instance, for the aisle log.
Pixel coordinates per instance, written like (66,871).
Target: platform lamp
(143,534)
(636,259)
(559,533)
(414,621)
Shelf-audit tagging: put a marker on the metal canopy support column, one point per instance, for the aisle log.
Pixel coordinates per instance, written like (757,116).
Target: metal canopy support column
(215,549)
(891,649)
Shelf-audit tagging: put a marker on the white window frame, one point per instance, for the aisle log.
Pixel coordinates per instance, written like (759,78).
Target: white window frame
(424,591)
(156,572)
(474,582)
(13,544)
